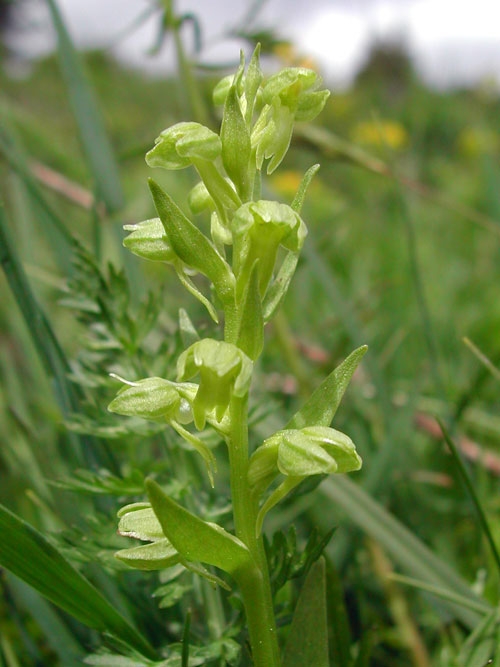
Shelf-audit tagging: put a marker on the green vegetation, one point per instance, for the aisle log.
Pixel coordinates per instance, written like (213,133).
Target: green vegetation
(402,254)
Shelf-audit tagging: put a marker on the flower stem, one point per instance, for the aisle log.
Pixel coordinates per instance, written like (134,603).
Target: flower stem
(254,582)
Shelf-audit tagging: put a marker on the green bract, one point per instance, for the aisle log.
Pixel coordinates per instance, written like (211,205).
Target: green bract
(224,371)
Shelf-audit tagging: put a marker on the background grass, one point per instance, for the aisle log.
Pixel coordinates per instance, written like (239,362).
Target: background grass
(403,254)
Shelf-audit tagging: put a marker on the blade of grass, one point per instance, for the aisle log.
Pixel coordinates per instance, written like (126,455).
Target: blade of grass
(43,337)
(482,358)
(84,448)
(404,548)
(28,555)
(464,474)
(444,593)
(95,141)
(58,636)
(61,241)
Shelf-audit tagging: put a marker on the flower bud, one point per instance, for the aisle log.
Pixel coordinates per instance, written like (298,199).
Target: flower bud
(177,146)
(298,453)
(224,371)
(199,199)
(149,241)
(316,450)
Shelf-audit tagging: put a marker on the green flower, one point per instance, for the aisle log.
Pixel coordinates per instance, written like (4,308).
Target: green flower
(179,145)
(225,371)
(259,228)
(288,96)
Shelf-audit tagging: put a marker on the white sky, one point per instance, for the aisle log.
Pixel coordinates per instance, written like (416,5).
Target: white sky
(452,41)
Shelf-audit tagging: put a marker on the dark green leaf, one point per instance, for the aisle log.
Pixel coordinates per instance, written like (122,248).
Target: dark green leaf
(482,644)
(307,642)
(27,554)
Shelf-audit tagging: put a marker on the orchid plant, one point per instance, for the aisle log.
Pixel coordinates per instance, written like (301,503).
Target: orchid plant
(240,272)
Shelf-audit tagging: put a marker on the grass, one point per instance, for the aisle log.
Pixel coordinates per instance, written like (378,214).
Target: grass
(403,255)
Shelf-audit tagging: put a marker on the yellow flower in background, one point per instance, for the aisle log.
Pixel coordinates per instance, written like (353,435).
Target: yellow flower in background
(474,141)
(288,55)
(382,133)
(286,182)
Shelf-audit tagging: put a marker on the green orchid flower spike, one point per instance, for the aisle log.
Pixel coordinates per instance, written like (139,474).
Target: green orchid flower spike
(246,253)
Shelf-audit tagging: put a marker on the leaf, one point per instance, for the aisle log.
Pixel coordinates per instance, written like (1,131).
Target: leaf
(194,539)
(411,554)
(481,646)
(298,200)
(320,408)
(307,642)
(277,290)
(251,333)
(26,553)
(190,245)
(93,135)
(187,330)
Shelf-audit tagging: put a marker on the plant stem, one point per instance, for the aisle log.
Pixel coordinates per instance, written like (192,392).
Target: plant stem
(254,583)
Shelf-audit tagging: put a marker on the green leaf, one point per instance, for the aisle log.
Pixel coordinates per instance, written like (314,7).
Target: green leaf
(187,330)
(482,645)
(93,135)
(251,333)
(279,287)
(43,337)
(194,539)
(27,554)
(191,246)
(307,642)
(320,408)
(410,553)
(298,200)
